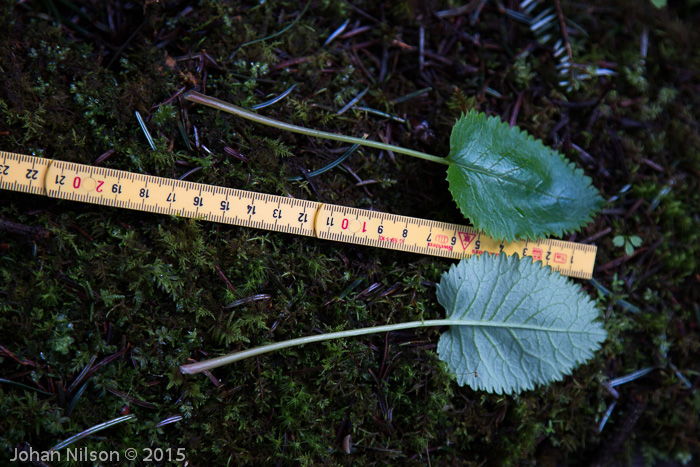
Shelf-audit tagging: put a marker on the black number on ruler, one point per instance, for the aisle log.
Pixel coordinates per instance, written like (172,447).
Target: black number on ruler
(329,221)
(429,239)
(4,169)
(169,199)
(405,233)
(31,174)
(549,253)
(380,229)
(198,201)
(251,209)
(116,188)
(277,213)
(60,179)
(477,244)
(225,206)
(303,217)
(143,193)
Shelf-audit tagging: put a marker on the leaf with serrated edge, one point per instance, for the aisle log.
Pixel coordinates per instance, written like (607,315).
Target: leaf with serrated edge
(511,186)
(524,324)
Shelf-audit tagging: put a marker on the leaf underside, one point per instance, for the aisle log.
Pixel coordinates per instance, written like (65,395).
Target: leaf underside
(526,325)
(511,186)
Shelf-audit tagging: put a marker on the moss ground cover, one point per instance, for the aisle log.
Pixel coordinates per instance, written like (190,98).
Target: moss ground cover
(131,296)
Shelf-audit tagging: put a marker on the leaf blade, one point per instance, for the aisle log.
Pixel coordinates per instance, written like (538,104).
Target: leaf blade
(512,186)
(534,326)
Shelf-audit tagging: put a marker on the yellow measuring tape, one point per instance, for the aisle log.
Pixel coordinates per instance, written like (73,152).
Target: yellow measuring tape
(108,187)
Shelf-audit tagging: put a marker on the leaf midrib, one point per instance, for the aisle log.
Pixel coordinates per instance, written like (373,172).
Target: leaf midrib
(501,325)
(514,181)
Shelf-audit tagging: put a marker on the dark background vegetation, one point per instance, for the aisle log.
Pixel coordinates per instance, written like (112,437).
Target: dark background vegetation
(131,295)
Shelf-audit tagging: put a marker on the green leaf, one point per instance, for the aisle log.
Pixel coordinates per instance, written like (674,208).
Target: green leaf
(635,240)
(512,186)
(524,325)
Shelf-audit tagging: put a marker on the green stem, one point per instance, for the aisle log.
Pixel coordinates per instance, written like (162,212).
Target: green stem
(205,365)
(227,107)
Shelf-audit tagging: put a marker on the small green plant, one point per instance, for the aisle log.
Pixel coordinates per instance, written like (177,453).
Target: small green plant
(514,322)
(512,325)
(629,242)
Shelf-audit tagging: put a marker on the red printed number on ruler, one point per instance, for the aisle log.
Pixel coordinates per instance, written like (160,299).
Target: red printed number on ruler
(560,257)
(354,226)
(89,185)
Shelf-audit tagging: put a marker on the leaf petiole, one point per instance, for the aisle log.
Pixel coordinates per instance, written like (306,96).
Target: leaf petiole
(210,364)
(241,112)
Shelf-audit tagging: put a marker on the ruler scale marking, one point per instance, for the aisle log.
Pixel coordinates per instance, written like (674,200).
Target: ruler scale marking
(116,188)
